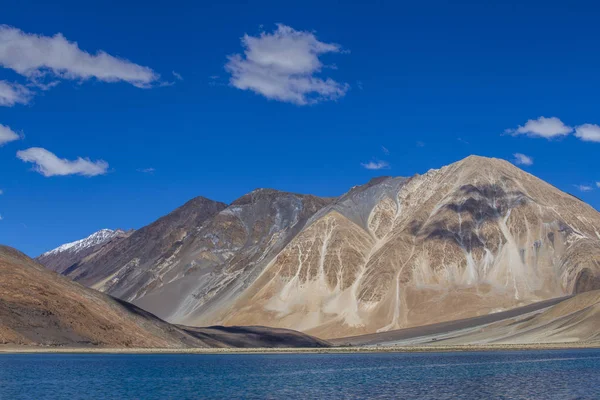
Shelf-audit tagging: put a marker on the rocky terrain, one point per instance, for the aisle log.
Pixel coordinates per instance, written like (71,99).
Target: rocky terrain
(40,308)
(558,321)
(200,256)
(145,248)
(476,237)
(65,256)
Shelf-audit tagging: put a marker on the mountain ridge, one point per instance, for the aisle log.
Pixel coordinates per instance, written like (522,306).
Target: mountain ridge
(464,252)
(63,257)
(469,238)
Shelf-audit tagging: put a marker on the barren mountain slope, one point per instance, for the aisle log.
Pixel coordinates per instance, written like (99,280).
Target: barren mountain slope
(255,337)
(575,319)
(473,237)
(39,307)
(63,257)
(180,268)
(219,260)
(145,247)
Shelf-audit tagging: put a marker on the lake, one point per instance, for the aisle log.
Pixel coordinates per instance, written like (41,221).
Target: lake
(552,374)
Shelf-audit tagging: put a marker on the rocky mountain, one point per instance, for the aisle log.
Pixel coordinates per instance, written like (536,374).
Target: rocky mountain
(64,256)
(39,307)
(472,238)
(145,247)
(476,237)
(202,255)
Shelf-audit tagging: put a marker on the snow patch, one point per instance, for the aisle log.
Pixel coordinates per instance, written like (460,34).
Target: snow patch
(95,239)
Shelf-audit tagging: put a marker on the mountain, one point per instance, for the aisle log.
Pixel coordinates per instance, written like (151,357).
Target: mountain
(64,256)
(201,255)
(144,248)
(475,237)
(39,307)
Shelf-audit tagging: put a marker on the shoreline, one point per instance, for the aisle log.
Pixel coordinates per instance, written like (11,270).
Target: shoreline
(4,349)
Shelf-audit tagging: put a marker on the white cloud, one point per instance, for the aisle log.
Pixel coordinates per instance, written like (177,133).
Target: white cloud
(376,165)
(542,127)
(7,135)
(522,159)
(48,164)
(177,76)
(1,192)
(588,132)
(282,66)
(598,184)
(584,188)
(36,56)
(385,150)
(13,93)
(146,170)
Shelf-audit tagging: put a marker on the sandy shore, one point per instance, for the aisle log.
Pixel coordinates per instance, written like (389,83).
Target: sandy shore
(331,350)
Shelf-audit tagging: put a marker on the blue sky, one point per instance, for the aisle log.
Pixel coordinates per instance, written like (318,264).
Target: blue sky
(311,103)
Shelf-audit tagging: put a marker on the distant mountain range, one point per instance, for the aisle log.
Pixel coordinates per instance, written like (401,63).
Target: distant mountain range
(475,237)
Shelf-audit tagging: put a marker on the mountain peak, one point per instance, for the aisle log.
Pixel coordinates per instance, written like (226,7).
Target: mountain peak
(259,193)
(476,161)
(96,238)
(200,201)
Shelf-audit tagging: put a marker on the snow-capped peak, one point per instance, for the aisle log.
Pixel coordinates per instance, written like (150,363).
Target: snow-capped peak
(97,238)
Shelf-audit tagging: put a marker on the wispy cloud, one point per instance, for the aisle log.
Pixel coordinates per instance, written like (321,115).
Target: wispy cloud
(37,57)
(420,143)
(588,132)
(48,164)
(522,159)
(598,185)
(376,165)
(548,128)
(385,150)
(584,188)
(177,76)
(146,170)
(283,65)
(7,135)
(13,93)
(215,80)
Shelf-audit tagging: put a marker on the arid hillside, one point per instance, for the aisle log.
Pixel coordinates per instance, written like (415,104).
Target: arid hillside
(39,307)
(475,237)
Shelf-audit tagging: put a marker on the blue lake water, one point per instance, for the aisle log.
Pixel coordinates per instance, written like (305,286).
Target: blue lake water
(554,374)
